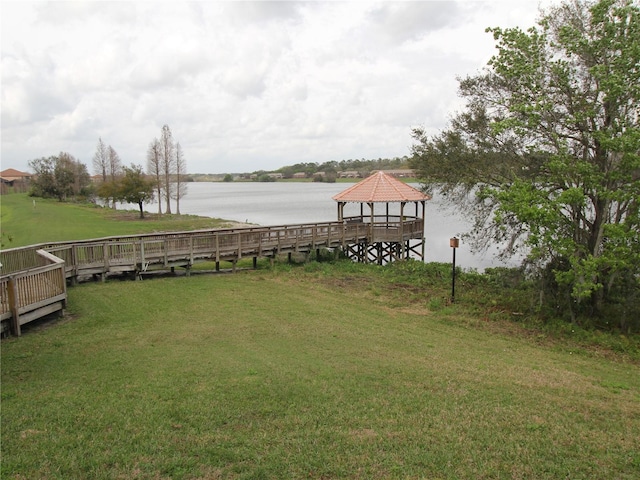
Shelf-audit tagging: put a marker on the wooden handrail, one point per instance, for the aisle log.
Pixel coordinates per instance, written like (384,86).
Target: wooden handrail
(33,278)
(33,292)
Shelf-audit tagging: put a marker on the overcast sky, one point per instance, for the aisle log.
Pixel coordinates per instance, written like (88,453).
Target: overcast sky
(244,86)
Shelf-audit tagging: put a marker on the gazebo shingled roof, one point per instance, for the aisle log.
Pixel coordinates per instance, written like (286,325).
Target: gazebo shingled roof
(381,188)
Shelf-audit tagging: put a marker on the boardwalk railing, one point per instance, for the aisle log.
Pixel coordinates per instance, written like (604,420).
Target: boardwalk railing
(32,279)
(33,292)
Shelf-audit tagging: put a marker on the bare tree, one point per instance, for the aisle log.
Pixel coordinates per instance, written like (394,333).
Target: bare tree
(181,170)
(154,169)
(101,160)
(114,168)
(168,163)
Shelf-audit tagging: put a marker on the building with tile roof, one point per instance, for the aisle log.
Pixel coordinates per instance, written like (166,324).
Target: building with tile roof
(11,174)
(12,180)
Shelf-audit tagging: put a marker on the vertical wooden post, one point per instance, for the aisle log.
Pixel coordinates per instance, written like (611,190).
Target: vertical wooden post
(105,259)
(166,252)
(313,236)
(74,262)
(142,260)
(401,228)
(454,243)
(13,307)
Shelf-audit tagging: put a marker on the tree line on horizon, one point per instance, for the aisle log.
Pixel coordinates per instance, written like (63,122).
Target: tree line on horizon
(331,169)
(321,172)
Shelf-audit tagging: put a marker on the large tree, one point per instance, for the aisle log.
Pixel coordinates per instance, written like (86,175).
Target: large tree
(135,187)
(114,168)
(167,164)
(107,164)
(180,177)
(546,154)
(101,160)
(154,169)
(60,176)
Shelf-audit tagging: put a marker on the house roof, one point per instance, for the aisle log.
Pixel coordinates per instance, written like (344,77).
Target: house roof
(12,172)
(380,187)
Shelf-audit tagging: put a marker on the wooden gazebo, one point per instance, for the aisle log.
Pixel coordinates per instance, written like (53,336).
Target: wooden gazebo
(392,234)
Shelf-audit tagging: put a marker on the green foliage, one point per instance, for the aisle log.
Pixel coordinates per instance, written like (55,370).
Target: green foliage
(327,255)
(135,187)
(546,156)
(107,190)
(60,177)
(265,177)
(330,168)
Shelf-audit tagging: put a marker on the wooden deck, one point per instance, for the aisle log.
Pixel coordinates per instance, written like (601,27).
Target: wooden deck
(33,279)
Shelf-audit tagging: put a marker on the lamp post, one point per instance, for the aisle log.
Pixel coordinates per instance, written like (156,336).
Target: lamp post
(453,243)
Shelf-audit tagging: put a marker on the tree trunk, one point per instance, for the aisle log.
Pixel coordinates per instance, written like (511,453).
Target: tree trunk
(141,210)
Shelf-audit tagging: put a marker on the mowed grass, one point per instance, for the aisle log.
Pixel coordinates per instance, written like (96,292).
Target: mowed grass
(317,371)
(51,221)
(302,372)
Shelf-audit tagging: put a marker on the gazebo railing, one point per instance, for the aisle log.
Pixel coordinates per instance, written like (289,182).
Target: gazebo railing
(390,228)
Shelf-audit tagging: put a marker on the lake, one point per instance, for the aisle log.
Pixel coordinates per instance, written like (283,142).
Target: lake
(283,203)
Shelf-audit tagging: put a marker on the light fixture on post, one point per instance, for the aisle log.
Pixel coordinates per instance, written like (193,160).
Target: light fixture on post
(453,243)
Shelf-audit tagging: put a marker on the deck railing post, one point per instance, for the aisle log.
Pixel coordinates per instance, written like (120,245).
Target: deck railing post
(142,260)
(12,292)
(74,263)
(105,258)
(166,252)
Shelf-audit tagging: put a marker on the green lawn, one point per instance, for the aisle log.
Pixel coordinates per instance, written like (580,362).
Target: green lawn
(322,370)
(304,372)
(50,221)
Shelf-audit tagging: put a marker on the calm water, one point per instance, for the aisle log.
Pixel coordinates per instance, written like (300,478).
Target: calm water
(279,203)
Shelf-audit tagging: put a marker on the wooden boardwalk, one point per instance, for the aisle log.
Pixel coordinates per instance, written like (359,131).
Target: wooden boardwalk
(33,279)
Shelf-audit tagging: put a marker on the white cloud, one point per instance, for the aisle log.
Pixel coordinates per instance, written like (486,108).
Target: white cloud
(243,85)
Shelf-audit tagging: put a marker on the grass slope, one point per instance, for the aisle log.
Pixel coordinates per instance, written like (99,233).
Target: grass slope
(302,373)
(321,371)
(50,221)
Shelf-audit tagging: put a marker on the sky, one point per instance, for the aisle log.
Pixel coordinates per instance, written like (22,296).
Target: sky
(243,86)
